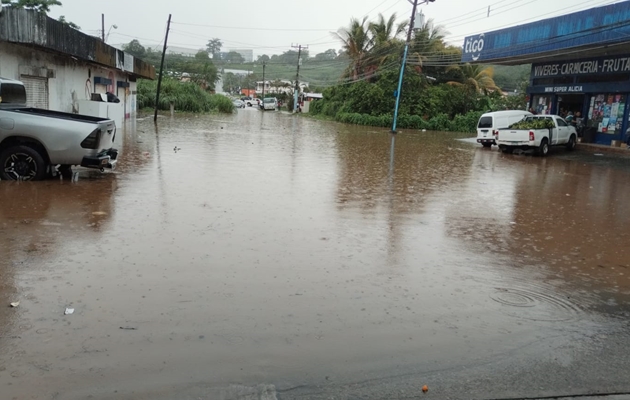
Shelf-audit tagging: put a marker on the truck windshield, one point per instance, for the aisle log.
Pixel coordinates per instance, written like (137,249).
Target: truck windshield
(485,122)
(12,93)
(269,100)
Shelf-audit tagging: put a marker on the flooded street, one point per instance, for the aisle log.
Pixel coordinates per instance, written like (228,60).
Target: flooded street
(267,256)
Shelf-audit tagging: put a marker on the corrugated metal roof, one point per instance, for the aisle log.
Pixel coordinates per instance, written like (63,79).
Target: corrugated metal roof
(30,27)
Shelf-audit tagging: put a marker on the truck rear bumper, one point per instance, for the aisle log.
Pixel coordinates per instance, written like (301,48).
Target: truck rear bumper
(486,140)
(521,144)
(104,160)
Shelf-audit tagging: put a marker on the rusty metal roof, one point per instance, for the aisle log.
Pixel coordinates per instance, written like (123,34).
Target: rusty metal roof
(29,27)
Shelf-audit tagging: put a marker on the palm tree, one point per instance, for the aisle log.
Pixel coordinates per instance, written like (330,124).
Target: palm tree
(428,40)
(385,35)
(356,43)
(476,78)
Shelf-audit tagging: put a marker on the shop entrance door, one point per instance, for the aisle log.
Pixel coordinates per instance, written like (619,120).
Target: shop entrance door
(570,103)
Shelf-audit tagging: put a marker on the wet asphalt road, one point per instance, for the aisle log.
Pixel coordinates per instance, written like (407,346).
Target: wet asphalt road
(279,257)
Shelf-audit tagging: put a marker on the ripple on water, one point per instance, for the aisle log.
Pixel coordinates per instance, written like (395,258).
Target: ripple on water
(538,304)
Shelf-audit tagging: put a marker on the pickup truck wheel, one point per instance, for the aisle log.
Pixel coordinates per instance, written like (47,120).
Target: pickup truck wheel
(507,149)
(543,149)
(22,163)
(571,143)
(486,145)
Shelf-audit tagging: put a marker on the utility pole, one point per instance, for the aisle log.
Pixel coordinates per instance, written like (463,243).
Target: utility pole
(103,27)
(263,93)
(157,96)
(404,60)
(297,75)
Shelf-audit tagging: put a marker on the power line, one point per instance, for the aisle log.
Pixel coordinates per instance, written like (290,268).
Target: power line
(253,29)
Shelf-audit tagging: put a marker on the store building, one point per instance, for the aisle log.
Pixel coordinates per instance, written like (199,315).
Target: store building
(62,67)
(580,63)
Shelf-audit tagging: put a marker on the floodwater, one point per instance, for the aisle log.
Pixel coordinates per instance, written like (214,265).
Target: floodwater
(270,256)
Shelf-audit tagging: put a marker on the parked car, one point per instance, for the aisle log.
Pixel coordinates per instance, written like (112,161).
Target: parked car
(490,123)
(538,132)
(34,141)
(250,101)
(238,103)
(270,103)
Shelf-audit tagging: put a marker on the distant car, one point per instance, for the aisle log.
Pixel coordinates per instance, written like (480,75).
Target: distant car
(238,103)
(270,103)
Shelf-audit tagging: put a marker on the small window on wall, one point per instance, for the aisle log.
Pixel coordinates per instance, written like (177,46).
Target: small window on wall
(542,104)
(606,113)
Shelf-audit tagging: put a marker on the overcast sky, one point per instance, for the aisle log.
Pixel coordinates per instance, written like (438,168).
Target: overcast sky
(271,26)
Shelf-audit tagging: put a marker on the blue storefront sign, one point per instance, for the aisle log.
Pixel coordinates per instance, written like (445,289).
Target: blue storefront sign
(591,66)
(597,26)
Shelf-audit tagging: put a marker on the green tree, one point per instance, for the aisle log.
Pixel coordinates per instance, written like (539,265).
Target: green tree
(135,49)
(214,46)
(234,58)
(385,40)
(230,82)
(328,55)
(476,77)
(42,6)
(263,58)
(427,42)
(62,19)
(356,42)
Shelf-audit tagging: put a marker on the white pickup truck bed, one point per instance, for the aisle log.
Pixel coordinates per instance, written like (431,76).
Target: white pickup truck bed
(540,140)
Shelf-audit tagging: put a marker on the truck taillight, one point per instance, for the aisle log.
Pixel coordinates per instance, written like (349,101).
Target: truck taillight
(531,136)
(496,135)
(92,141)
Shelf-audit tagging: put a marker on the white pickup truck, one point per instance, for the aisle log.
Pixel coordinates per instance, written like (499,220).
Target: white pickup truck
(34,143)
(537,132)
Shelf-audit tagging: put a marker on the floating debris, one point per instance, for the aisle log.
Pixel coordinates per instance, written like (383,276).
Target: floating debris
(69,311)
(15,304)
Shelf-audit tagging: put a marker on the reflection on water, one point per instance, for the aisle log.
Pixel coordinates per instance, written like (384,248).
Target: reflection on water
(275,248)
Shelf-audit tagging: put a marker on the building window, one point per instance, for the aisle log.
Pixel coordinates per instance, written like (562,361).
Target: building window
(606,113)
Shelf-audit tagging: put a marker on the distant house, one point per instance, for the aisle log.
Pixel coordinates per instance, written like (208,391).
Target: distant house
(281,86)
(62,67)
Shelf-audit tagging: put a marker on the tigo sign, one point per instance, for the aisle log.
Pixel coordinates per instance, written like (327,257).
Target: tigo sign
(474,46)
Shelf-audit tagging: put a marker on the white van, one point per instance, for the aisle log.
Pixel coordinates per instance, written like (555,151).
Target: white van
(270,103)
(490,123)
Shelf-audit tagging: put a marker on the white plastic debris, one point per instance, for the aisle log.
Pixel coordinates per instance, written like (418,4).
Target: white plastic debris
(15,304)
(69,311)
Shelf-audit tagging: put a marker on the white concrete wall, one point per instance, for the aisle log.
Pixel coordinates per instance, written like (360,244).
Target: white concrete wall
(72,80)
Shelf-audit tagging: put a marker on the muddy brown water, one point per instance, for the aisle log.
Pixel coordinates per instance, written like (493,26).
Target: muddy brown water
(272,256)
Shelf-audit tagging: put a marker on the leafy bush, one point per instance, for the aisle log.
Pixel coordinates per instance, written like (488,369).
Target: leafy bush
(185,96)
(534,123)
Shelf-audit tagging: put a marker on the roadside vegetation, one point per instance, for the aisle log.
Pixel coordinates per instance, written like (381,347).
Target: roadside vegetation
(438,92)
(185,96)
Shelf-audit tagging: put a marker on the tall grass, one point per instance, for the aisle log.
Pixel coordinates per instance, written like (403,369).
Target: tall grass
(186,97)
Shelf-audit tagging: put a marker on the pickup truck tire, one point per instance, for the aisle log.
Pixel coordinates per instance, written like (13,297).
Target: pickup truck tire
(543,149)
(571,143)
(22,163)
(486,145)
(507,149)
